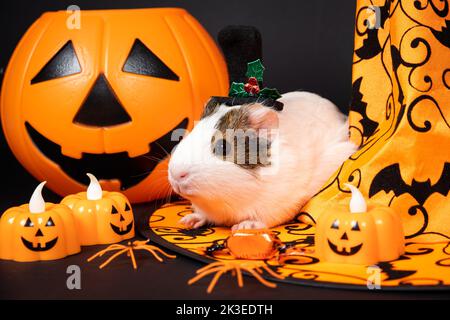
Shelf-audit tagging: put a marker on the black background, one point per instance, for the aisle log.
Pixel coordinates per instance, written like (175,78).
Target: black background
(306,45)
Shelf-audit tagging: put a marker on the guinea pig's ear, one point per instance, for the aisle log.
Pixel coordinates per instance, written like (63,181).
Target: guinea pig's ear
(260,117)
(210,107)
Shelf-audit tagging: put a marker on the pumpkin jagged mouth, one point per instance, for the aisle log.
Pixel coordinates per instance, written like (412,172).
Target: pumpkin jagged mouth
(343,252)
(121,231)
(108,166)
(47,246)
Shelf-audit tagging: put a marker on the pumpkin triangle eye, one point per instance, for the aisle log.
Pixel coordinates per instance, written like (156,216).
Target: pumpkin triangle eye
(50,222)
(29,223)
(63,63)
(355,226)
(127,207)
(335,224)
(101,108)
(114,210)
(141,60)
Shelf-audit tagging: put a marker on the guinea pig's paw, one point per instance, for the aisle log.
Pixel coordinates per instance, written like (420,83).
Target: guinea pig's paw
(194,220)
(249,224)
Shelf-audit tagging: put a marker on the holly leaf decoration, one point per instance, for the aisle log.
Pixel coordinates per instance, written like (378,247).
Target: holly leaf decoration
(237,90)
(255,69)
(270,93)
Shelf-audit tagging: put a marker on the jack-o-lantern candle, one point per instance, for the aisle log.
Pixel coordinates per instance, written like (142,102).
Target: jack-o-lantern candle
(38,231)
(101,217)
(360,235)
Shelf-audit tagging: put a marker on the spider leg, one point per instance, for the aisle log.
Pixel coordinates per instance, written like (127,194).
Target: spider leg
(160,251)
(239,277)
(211,265)
(102,252)
(133,260)
(153,253)
(272,273)
(214,280)
(205,273)
(140,243)
(104,264)
(258,269)
(259,278)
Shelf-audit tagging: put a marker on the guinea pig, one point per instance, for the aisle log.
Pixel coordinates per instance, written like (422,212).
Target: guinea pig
(303,145)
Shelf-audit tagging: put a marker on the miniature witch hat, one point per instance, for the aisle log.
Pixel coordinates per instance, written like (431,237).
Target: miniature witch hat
(242,47)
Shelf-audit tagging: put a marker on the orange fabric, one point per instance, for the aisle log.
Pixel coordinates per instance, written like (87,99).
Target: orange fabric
(422,266)
(399,116)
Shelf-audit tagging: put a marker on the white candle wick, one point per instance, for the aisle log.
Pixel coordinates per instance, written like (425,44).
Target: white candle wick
(357,202)
(94,190)
(37,203)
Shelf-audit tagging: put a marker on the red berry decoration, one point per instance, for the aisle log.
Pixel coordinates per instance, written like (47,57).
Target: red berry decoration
(254,74)
(252,81)
(254,90)
(252,86)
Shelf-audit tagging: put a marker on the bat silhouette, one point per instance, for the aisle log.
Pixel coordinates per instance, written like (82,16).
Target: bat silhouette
(393,274)
(390,179)
(371,44)
(358,105)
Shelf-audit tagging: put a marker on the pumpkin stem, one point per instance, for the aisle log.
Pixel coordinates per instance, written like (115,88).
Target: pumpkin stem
(37,203)
(94,190)
(357,203)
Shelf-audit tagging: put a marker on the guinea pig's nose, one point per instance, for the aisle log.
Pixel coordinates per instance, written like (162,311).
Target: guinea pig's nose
(182,175)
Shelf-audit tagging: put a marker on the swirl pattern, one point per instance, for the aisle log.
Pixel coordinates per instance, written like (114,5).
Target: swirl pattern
(400,115)
(423,266)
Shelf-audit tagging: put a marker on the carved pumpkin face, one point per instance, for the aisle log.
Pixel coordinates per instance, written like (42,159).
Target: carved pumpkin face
(31,236)
(106,97)
(360,236)
(101,217)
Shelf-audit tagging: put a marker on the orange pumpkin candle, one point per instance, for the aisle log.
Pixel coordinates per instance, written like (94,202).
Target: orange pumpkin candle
(101,217)
(38,231)
(360,235)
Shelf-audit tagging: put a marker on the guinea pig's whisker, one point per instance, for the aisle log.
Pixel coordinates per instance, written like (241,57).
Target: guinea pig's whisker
(163,195)
(169,195)
(163,149)
(147,172)
(160,192)
(153,158)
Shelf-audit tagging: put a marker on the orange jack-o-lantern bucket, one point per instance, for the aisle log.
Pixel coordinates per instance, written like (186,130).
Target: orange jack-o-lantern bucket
(105,95)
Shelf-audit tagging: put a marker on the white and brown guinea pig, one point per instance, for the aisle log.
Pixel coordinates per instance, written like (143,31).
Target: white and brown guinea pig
(307,142)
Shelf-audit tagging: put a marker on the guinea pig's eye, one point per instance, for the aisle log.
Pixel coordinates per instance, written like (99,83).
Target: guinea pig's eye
(222,148)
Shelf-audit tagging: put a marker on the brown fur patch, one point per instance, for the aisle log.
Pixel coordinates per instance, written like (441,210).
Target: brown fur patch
(241,145)
(234,119)
(211,107)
